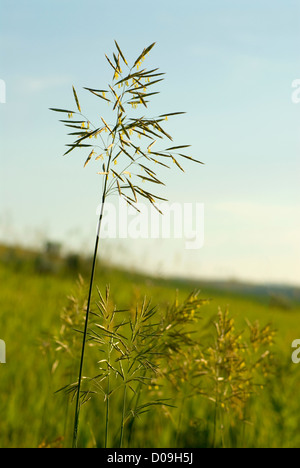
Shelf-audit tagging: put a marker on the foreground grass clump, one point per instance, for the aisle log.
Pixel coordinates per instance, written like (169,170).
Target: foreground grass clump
(151,367)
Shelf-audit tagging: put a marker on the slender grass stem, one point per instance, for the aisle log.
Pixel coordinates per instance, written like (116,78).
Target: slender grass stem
(132,422)
(123,416)
(222,430)
(178,432)
(216,411)
(107,413)
(107,400)
(77,407)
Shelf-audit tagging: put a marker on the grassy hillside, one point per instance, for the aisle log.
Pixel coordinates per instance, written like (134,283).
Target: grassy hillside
(33,295)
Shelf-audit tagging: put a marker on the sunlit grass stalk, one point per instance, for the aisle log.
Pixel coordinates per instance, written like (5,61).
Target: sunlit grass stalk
(122,140)
(243,435)
(107,409)
(77,407)
(180,419)
(222,429)
(215,415)
(137,398)
(123,415)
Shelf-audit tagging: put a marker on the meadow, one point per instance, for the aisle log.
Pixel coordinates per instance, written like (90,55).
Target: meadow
(178,399)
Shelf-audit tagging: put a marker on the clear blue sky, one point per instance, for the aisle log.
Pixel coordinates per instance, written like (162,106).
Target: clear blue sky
(229,64)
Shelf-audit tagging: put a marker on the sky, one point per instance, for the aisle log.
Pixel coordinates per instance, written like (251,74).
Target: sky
(229,65)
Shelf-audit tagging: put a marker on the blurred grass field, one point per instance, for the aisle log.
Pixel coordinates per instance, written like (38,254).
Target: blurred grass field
(33,293)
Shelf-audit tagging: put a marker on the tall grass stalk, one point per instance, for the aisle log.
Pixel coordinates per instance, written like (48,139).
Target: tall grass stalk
(129,140)
(77,406)
(107,409)
(123,415)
